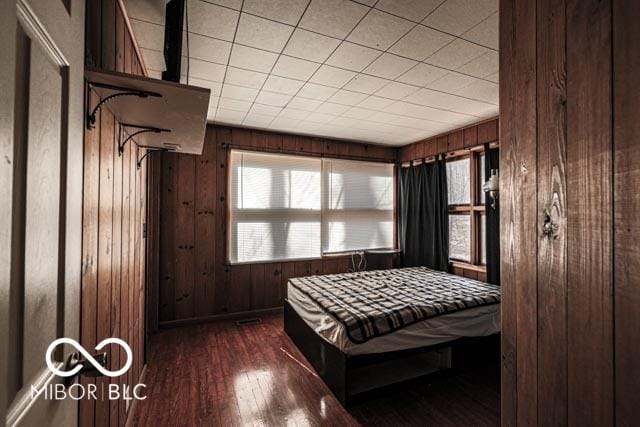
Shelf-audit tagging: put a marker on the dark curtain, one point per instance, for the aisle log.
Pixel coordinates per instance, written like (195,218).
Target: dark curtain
(423,226)
(492,161)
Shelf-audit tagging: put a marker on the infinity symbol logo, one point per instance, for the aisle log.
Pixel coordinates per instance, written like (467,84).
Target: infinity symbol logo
(88,357)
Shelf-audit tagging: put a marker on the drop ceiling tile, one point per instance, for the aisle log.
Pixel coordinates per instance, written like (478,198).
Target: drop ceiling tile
(482,66)
(234,105)
(347,122)
(375,103)
(495,77)
(229,116)
(379,30)
(314,91)
(292,113)
(284,123)
(346,97)
(271,98)
(422,75)
(246,78)
(233,4)
(352,56)
(238,92)
(206,70)
(257,120)
(421,42)
(208,49)
(283,85)
(448,117)
(262,33)
(331,108)
(474,108)
(396,90)
(413,10)
(432,98)
(458,16)
(481,90)
(149,36)
(389,66)
(211,20)
(154,74)
(331,76)
(215,87)
(149,11)
(366,84)
(252,59)
(485,33)
(299,103)
(319,118)
(312,46)
(358,113)
(286,11)
(153,59)
(265,109)
(451,82)
(294,68)
(406,109)
(332,17)
(456,54)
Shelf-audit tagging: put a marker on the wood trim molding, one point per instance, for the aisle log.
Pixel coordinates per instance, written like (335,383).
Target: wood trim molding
(219,317)
(134,41)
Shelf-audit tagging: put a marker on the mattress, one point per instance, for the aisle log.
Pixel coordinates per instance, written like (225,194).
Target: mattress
(471,322)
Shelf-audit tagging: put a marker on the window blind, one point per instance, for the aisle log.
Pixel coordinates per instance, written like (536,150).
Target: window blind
(292,207)
(357,205)
(275,209)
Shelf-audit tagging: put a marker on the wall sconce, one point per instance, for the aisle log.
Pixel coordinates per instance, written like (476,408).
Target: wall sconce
(492,187)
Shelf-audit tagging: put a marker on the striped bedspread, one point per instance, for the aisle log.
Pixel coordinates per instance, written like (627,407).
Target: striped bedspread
(374,303)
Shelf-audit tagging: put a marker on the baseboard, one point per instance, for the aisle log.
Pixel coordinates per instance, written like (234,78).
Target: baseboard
(134,402)
(218,317)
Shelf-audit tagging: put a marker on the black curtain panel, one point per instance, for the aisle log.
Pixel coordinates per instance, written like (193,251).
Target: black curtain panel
(492,161)
(423,226)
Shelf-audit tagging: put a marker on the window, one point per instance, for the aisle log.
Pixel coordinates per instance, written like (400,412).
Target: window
(465,175)
(293,207)
(357,205)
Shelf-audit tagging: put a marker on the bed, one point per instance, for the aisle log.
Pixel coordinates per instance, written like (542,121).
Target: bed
(364,330)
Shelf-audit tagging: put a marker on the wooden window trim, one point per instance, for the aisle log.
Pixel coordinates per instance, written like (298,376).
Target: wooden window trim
(475,209)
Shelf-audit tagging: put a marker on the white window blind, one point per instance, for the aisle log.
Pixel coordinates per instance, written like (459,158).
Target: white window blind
(275,208)
(292,207)
(357,205)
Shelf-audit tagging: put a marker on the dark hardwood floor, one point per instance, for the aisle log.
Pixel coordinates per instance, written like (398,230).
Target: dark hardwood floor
(225,375)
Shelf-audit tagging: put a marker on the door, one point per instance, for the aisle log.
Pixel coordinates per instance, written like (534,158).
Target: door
(41,127)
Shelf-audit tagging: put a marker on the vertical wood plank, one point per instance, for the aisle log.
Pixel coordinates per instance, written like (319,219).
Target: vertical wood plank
(105,249)
(273,295)
(125,276)
(589,212)
(90,238)
(518,211)
(167,238)
(626,97)
(552,193)
(205,203)
(185,238)
(258,291)
(221,298)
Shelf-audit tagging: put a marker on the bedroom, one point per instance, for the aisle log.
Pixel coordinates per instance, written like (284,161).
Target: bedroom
(320,212)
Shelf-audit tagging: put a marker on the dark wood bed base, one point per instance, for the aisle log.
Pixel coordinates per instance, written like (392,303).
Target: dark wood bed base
(349,376)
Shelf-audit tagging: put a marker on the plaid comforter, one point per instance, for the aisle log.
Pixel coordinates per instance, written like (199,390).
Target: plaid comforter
(373,303)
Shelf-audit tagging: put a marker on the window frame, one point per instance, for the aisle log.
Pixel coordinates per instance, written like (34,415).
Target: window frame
(329,255)
(475,209)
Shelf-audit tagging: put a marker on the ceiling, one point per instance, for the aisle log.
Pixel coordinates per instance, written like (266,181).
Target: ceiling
(387,71)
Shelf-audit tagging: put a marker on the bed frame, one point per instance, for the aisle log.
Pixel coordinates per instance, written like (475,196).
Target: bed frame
(350,376)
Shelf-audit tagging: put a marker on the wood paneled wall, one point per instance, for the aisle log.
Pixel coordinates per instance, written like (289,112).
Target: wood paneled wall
(569,102)
(195,280)
(114,211)
(478,134)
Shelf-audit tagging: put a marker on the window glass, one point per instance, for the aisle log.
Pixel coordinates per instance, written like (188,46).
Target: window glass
(460,237)
(483,239)
(458,182)
(482,178)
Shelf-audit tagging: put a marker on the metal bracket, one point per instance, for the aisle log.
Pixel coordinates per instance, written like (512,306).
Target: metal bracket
(149,151)
(141,129)
(121,91)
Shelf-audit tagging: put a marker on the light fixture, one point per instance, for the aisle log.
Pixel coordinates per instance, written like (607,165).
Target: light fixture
(492,187)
